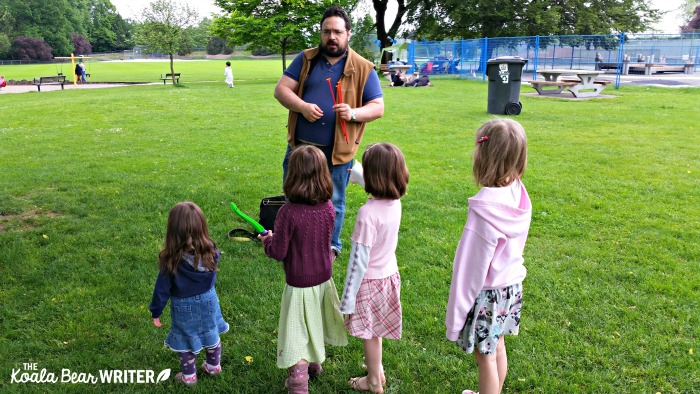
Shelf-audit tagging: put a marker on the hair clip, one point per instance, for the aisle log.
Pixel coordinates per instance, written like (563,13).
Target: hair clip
(482,139)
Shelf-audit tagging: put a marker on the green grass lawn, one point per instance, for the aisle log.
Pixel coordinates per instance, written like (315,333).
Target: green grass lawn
(88,176)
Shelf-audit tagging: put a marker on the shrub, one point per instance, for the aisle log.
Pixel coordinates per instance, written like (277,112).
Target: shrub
(262,51)
(81,45)
(30,48)
(218,45)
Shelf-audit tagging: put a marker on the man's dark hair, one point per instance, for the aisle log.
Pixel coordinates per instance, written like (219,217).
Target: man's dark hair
(340,13)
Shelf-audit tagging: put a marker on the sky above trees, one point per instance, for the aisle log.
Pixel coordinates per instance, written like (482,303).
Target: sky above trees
(129,9)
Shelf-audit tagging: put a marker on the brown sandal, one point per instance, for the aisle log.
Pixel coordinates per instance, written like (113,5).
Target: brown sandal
(372,388)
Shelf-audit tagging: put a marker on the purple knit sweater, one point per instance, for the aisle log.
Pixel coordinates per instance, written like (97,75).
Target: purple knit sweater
(302,241)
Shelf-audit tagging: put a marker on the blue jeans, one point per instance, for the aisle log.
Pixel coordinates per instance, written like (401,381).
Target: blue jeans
(340,177)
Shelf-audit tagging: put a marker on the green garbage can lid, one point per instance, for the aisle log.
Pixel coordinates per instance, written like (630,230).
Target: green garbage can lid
(507,59)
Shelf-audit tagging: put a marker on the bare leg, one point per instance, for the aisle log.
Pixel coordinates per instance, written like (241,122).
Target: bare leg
(373,358)
(502,362)
(489,380)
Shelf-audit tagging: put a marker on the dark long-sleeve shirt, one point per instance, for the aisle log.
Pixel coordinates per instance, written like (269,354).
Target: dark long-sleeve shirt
(187,282)
(302,241)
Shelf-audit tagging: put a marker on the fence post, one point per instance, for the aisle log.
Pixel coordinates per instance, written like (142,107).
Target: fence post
(537,56)
(620,59)
(484,52)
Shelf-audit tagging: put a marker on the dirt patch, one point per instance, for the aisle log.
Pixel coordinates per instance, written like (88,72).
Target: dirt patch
(24,219)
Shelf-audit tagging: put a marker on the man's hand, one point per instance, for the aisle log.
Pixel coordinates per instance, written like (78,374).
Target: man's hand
(343,111)
(311,112)
(156,322)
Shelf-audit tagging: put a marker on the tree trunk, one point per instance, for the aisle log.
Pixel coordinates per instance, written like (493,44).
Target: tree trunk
(284,53)
(382,34)
(172,69)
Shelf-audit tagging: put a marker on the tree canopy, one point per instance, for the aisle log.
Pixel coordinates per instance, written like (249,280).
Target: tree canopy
(440,19)
(694,22)
(164,25)
(56,22)
(287,25)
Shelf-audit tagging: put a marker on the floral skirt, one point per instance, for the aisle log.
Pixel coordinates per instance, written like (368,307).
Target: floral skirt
(309,319)
(377,309)
(495,313)
(196,323)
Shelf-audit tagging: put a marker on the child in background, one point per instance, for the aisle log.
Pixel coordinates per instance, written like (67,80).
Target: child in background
(2,81)
(302,241)
(228,73)
(188,265)
(371,296)
(486,290)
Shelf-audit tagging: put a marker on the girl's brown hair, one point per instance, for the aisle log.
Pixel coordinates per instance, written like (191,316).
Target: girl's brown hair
(500,155)
(385,171)
(308,178)
(187,233)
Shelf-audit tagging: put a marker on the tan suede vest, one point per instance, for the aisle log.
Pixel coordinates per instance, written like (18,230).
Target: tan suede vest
(354,78)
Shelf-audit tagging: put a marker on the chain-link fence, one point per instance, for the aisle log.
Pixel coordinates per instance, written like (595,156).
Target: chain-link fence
(616,54)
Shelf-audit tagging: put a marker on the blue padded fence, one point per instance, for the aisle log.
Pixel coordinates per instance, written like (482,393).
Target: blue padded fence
(618,54)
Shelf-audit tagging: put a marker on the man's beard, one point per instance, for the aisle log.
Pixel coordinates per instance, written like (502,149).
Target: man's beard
(333,53)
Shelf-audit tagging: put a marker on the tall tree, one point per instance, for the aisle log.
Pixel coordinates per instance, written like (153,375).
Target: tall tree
(124,31)
(360,40)
(687,9)
(285,25)
(694,24)
(164,24)
(47,20)
(101,29)
(439,19)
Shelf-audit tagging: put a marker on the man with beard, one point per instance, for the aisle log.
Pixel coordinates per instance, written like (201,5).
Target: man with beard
(336,92)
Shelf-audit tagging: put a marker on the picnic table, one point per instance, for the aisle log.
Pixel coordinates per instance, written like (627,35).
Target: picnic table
(581,83)
(399,67)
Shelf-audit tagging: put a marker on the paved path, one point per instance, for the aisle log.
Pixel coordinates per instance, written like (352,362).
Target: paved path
(48,88)
(672,80)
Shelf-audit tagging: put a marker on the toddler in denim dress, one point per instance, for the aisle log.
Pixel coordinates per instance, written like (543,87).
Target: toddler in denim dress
(187,275)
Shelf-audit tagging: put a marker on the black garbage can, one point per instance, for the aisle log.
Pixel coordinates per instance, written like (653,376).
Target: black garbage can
(504,73)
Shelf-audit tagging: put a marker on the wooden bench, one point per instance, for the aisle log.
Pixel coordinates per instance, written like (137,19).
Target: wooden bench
(558,86)
(170,77)
(605,66)
(53,80)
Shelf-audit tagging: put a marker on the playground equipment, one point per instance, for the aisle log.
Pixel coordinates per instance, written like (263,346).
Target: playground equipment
(72,64)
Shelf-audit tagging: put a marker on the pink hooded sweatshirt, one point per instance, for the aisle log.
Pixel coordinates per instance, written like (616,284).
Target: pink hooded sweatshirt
(490,252)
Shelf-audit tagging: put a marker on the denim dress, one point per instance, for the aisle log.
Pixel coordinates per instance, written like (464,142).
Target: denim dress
(196,320)
(196,323)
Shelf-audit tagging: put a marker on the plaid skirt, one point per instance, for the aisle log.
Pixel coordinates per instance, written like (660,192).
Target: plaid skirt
(377,310)
(495,313)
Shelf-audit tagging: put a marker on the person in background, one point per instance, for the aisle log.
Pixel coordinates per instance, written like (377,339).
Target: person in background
(228,73)
(397,79)
(83,71)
